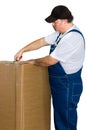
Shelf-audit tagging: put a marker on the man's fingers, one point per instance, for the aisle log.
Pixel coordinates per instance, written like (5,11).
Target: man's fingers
(17,58)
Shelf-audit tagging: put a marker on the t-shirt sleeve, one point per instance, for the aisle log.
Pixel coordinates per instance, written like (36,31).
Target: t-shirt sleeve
(50,39)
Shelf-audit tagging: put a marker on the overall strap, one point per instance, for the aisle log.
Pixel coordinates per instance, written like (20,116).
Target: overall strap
(58,39)
(56,42)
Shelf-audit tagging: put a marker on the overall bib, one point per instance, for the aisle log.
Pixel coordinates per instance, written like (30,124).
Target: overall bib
(66,90)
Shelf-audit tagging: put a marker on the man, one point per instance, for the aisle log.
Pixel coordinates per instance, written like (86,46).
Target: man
(64,64)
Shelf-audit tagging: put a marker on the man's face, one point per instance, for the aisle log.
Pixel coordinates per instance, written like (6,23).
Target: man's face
(58,25)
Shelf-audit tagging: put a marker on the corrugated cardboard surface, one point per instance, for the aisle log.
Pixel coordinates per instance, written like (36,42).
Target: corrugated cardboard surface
(24,97)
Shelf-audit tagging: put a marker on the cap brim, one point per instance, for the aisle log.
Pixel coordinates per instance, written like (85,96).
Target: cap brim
(50,19)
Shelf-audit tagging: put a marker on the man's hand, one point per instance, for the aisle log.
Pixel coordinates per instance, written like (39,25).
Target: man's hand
(18,56)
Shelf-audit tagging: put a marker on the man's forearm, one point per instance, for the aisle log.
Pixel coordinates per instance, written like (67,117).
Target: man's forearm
(45,61)
(30,47)
(35,45)
(42,62)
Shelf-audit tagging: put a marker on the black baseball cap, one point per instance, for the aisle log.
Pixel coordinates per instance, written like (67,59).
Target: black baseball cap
(59,12)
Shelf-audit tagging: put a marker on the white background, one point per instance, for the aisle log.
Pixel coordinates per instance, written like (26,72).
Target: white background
(22,21)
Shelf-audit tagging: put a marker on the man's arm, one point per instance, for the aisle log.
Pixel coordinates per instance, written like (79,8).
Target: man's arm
(32,46)
(45,61)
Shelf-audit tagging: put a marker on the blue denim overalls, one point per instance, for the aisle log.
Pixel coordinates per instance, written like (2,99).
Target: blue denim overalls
(66,90)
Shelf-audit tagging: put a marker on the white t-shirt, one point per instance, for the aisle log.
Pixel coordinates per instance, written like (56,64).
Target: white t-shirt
(70,50)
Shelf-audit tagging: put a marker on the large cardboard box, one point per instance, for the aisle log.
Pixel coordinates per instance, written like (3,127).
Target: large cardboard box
(24,97)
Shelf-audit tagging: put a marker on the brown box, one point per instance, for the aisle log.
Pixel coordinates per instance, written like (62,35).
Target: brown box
(24,97)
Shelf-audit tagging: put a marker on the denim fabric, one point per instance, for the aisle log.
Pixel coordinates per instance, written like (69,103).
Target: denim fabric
(66,93)
(66,90)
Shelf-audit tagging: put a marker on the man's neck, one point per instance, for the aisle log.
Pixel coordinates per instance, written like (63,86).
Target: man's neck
(67,27)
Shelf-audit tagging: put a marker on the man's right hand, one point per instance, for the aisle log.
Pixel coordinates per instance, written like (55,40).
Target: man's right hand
(18,56)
